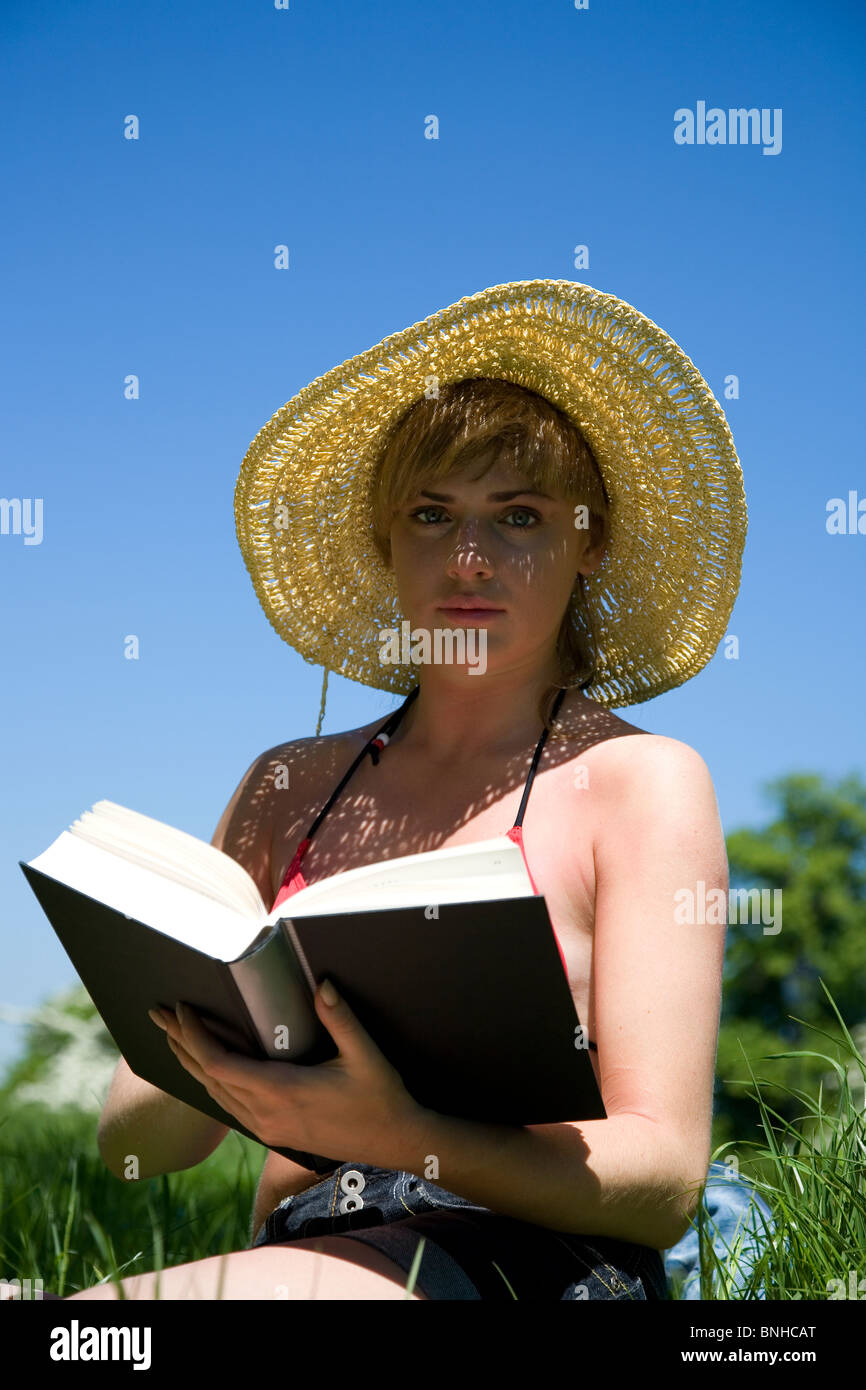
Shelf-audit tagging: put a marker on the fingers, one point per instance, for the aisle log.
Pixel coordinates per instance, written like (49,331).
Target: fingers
(187,1060)
(189,1040)
(204,1056)
(189,1053)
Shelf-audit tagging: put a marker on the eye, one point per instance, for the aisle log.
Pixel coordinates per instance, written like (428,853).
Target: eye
(525,511)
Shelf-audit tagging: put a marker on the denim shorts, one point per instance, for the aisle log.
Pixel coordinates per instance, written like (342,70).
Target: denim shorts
(469,1251)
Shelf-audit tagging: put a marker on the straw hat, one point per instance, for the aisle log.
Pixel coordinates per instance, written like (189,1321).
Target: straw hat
(661,598)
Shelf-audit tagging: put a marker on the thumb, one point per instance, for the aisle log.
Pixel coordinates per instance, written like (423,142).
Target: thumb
(350,1035)
(336,1015)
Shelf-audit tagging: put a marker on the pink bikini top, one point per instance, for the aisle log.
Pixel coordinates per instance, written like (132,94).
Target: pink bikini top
(294,880)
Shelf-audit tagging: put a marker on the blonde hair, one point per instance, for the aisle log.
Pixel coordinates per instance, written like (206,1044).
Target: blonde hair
(478,416)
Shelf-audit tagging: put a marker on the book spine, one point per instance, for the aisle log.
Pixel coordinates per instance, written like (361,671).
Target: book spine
(288,927)
(274,985)
(235,978)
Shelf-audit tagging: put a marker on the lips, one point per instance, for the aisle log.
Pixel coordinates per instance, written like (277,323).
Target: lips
(469,604)
(478,618)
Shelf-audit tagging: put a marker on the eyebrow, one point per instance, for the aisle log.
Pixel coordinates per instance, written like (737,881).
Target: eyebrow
(491,496)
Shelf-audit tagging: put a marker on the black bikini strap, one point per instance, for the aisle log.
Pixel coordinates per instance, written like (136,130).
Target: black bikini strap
(369,747)
(539,746)
(388,728)
(375,744)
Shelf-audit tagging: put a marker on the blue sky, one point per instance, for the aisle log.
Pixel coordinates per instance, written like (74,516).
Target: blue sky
(305,126)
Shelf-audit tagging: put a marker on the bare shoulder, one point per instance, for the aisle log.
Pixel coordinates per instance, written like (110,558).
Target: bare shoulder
(628,767)
(311,758)
(290,783)
(288,779)
(655,809)
(275,793)
(621,744)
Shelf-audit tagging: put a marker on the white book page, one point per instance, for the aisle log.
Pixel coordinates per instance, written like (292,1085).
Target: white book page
(173,908)
(172,853)
(476,872)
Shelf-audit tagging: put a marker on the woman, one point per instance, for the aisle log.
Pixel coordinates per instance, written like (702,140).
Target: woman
(541,468)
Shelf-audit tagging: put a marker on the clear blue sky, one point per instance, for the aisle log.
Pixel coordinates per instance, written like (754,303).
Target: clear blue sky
(305,126)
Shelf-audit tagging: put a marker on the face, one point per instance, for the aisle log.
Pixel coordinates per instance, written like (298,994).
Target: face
(493,538)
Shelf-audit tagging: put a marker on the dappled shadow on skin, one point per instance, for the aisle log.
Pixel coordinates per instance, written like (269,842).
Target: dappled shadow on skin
(399,807)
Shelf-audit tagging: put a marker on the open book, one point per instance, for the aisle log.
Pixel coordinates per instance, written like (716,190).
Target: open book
(448,959)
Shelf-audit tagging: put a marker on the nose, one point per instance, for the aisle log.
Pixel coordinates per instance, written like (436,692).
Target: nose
(469,556)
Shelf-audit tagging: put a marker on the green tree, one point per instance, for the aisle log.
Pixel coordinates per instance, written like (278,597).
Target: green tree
(814,851)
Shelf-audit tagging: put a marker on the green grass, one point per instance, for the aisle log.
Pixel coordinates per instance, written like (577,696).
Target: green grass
(812,1175)
(65,1220)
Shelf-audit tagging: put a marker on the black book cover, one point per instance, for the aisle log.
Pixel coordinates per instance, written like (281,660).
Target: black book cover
(471,1005)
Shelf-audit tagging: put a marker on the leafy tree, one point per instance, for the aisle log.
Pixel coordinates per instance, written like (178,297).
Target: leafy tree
(69,1056)
(814,851)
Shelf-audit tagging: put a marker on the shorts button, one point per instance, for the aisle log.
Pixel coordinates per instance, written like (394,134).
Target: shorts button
(353,1181)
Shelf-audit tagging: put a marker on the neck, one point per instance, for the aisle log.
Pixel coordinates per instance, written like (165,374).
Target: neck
(458,717)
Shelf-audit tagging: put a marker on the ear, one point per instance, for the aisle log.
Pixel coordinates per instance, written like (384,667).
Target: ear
(597,546)
(592,558)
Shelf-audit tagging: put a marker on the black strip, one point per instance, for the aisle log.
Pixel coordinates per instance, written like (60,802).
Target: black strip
(387,728)
(539,746)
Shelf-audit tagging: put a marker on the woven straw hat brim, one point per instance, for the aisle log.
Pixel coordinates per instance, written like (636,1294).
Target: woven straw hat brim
(662,596)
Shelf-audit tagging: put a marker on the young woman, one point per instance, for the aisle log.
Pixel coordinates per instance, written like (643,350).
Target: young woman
(590,539)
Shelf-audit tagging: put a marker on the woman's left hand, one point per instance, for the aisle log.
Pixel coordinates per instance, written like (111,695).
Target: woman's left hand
(353,1106)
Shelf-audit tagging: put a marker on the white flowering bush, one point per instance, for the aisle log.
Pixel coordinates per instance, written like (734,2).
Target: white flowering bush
(69,1055)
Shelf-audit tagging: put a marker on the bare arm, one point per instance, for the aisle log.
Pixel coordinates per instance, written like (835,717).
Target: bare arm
(144,1132)
(138,1119)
